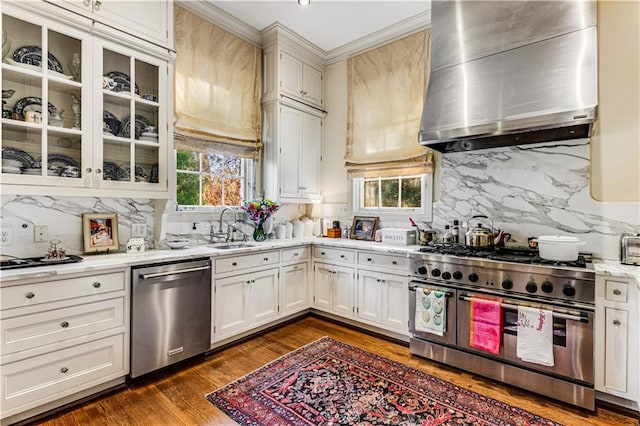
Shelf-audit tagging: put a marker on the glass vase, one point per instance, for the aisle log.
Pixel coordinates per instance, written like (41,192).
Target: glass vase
(259,234)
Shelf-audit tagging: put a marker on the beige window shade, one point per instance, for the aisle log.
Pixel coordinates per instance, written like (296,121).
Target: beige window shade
(386,88)
(217,88)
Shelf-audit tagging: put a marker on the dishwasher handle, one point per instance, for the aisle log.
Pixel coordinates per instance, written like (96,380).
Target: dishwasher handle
(177,271)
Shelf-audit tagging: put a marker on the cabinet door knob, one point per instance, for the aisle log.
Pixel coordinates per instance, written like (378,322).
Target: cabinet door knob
(64,324)
(616,322)
(98,171)
(87,2)
(395,262)
(64,369)
(234,264)
(266,259)
(98,3)
(97,284)
(617,292)
(30,295)
(322,253)
(89,169)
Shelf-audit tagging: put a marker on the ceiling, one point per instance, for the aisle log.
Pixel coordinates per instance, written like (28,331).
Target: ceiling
(329,25)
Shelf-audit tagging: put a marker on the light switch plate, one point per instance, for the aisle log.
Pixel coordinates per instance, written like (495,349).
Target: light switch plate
(40,233)
(6,237)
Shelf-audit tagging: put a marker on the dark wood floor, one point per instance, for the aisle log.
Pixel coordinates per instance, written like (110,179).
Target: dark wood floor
(176,396)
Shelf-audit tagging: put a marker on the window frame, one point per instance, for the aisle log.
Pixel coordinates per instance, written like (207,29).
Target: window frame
(248,183)
(425,212)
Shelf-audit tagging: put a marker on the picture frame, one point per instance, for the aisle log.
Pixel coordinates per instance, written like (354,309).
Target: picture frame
(364,228)
(100,232)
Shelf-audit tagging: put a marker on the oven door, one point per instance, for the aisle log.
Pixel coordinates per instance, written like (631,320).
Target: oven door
(572,337)
(416,292)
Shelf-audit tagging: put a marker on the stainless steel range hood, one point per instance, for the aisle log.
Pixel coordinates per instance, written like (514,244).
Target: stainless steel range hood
(510,73)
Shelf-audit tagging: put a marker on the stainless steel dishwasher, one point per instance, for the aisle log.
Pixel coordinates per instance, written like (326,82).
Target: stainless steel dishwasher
(170,313)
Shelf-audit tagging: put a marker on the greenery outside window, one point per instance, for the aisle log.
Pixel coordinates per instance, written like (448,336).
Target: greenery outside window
(396,195)
(210,179)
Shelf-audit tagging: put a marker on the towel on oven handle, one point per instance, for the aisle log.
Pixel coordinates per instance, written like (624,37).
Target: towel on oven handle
(485,328)
(431,311)
(535,336)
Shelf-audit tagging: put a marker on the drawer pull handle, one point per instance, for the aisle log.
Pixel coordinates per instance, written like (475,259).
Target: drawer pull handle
(295,254)
(617,292)
(30,295)
(234,264)
(97,284)
(369,259)
(64,370)
(395,262)
(266,259)
(616,322)
(342,256)
(322,253)
(64,324)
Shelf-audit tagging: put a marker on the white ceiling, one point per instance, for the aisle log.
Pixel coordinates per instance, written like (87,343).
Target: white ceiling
(328,24)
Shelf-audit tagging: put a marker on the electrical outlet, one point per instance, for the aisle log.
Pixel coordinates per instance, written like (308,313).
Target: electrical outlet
(6,237)
(40,233)
(138,229)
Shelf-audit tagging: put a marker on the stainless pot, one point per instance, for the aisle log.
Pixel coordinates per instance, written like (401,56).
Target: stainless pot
(425,236)
(479,236)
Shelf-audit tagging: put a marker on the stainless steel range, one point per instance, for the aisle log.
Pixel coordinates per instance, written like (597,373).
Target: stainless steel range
(514,278)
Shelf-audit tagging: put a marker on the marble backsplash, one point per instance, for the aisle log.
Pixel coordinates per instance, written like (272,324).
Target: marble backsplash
(526,191)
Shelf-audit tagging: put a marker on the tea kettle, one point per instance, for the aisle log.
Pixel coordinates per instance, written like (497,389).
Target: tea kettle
(479,236)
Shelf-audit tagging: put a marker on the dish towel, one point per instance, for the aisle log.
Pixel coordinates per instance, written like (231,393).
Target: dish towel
(431,311)
(485,328)
(535,336)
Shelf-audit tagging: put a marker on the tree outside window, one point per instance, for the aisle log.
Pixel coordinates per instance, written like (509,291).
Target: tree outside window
(391,193)
(209,179)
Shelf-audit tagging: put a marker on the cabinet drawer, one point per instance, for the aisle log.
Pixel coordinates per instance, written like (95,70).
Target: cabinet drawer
(50,291)
(389,261)
(236,263)
(616,291)
(339,255)
(297,253)
(38,380)
(30,331)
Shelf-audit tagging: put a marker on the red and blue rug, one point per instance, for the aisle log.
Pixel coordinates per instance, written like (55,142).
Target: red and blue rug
(328,382)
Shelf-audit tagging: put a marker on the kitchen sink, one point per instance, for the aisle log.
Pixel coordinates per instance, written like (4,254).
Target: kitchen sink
(230,246)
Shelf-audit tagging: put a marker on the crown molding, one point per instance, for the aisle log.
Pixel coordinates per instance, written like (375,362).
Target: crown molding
(222,19)
(265,37)
(386,35)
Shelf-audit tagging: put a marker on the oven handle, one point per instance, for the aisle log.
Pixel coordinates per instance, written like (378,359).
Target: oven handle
(558,313)
(446,293)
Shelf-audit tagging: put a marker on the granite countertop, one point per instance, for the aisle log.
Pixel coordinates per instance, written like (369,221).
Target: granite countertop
(123,260)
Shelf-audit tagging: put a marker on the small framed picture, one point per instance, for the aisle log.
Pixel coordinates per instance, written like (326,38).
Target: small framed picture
(363,228)
(100,232)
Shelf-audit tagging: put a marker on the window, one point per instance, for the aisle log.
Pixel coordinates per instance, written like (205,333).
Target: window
(211,179)
(397,195)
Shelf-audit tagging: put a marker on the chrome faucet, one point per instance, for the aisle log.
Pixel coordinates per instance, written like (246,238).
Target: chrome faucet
(228,234)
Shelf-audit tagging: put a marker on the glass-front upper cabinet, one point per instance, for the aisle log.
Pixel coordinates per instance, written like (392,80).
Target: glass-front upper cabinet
(43,138)
(94,115)
(133,118)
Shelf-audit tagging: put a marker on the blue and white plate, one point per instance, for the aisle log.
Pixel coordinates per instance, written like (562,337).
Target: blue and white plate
(20,105)
(32,55)
(140,124)
(122,81)
(19,155)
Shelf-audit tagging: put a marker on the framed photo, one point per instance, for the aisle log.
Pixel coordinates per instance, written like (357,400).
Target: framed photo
(100,232)
(363,228)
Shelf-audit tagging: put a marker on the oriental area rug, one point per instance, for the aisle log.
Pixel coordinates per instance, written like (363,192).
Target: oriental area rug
(328,382)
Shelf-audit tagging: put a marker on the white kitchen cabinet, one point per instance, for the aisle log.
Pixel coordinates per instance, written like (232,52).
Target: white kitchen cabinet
(147,20)
(334,288)
(62,338)
(617,340)
(301,80)
(244,301)
(124,164)
(293,288)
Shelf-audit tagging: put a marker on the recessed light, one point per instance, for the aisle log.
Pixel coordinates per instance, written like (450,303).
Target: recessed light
(304,2)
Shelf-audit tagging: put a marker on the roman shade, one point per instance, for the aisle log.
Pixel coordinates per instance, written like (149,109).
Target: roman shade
(386,88)
(217,89)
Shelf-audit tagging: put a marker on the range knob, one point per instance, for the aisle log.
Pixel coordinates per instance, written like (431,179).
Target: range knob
(457,275)
(531,287)
(422,270)
(507,284)
(473,277)
(435,272)
(568,290)
(547,286)
(446,275)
